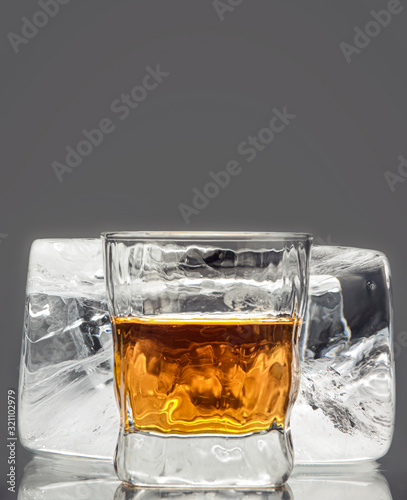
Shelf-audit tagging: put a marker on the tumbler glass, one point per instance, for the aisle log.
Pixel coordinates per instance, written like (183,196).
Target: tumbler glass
(206,371)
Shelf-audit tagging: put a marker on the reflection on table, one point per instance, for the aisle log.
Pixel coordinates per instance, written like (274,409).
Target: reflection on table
(355,481)
(54,477)
(57,478)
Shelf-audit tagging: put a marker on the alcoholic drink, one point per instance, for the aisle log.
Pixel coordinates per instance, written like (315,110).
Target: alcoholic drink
(204,376)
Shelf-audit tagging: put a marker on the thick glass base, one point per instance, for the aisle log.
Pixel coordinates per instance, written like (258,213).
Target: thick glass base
(260,460)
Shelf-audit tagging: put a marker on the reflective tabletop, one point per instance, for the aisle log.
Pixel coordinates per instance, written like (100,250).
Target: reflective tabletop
(56,478)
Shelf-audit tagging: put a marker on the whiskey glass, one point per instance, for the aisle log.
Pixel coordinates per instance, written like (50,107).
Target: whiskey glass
(206,368)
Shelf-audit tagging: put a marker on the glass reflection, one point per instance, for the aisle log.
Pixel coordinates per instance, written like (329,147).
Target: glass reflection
(128,493)
(57,478)
(355,481)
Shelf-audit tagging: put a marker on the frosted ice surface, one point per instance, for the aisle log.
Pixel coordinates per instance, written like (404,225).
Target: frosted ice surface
(66,268)
(345,408)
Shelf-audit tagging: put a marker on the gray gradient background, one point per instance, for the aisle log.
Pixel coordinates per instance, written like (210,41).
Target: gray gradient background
(323,174)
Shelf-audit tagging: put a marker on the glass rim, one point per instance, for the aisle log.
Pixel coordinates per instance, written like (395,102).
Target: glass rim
(205,236)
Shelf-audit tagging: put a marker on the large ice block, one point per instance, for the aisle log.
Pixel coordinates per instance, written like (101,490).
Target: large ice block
(66,396)
(345,408)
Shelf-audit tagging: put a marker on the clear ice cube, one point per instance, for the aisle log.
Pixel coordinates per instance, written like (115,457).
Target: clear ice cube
(345,408)
(66,397)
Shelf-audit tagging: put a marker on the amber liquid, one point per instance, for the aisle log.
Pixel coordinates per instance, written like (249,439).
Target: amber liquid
(204,376)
